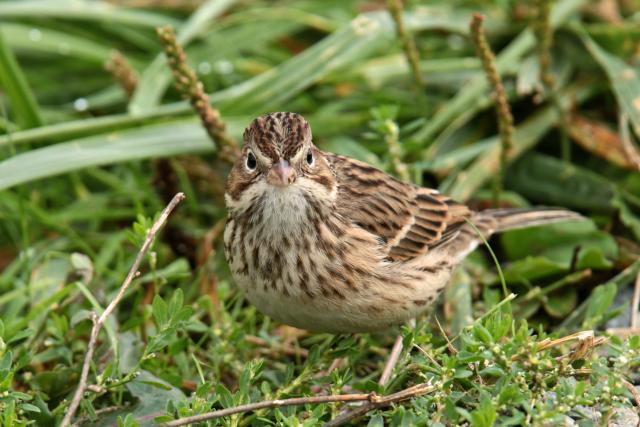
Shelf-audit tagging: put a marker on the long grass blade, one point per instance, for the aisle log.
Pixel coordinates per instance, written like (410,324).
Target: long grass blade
(13,82)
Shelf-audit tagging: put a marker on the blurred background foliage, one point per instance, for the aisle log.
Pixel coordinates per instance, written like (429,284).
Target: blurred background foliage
(88,146)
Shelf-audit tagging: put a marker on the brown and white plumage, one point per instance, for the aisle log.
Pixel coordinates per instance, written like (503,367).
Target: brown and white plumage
(328,243)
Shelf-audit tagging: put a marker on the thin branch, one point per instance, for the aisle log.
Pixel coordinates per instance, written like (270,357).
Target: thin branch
(408,393)
(633,390)
(408,43)
(391,361)
(99,321)
(505,119)
(450,346)
(394,356)
(277,403)
(372,399)
(190,87)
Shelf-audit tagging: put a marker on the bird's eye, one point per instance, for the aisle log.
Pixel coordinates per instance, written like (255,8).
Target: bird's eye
(310,159)
(252,163)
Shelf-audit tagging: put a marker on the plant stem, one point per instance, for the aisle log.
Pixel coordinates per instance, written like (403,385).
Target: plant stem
(505,119)
(408,42)
(99,321)
(191,88)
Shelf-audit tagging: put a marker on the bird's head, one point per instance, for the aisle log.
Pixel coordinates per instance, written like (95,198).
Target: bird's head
(279,157)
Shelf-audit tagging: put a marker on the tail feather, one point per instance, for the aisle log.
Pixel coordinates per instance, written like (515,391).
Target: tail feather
(513,219)
(492,221)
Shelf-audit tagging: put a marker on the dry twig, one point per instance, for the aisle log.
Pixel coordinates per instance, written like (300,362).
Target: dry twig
(391,361)
(505,119)
(98,321)
(587,341)
(372,399)
(191,88)
(394,356)
(633,390)
(416,390)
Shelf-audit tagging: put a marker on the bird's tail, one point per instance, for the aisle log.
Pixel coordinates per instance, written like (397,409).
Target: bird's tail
(492,221)
(513,219)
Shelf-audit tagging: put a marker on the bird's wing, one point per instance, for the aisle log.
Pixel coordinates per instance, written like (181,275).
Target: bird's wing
(408,219)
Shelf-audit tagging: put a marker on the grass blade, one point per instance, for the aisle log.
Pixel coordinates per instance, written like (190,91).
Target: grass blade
(150,141)
(98,11)
(526,136)
(270,89)
(32,38)
(623,77)
(465,101)
(156,77)
(23,102)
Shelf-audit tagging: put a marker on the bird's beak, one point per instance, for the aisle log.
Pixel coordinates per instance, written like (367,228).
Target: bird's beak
(281,174)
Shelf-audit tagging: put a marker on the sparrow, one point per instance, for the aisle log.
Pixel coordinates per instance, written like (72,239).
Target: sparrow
(328,243)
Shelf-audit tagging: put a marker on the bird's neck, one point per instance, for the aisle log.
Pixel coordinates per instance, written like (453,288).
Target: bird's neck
(278,211)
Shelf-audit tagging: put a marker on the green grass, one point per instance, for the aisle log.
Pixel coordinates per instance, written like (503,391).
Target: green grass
(81,180)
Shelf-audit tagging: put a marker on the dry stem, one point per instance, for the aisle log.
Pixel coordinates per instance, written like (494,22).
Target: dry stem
(505,119)
(391,361)
(122,72)
(99,321)
(408,43)
(416,390)
(632,389)
(191,88)
(373,401)
(542,29)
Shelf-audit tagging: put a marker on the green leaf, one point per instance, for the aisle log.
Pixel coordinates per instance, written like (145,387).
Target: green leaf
(5,362)
(598,305)
(481,333)
(530,269)
(35,39)
(464,105)
(526,136)
(625,79)
(160,311)
(376,421)
(150,141)
(629,214)
(151,393)
(12,80)
(558,242)
(559,304)
(29,407)
(485,415)
(551,181)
